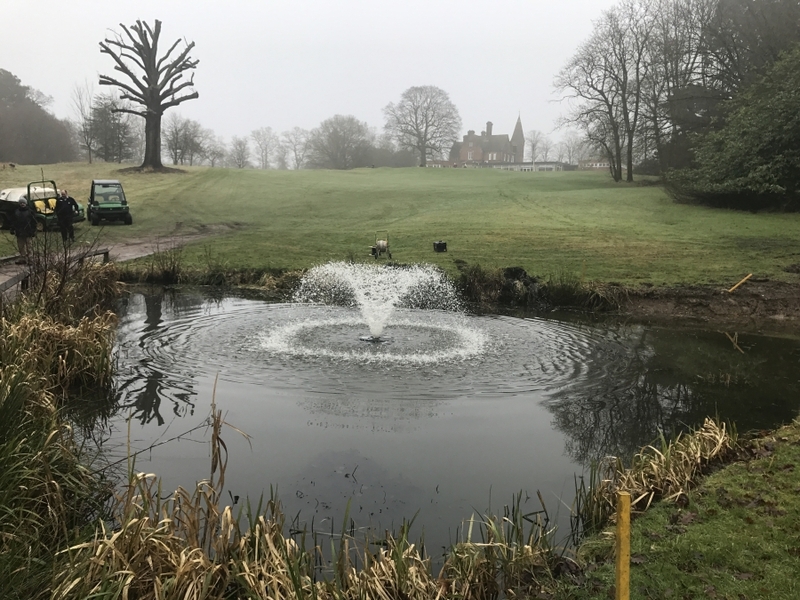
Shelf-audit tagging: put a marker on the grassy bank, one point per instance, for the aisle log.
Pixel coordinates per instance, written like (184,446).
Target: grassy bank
(736,535)
(579,223)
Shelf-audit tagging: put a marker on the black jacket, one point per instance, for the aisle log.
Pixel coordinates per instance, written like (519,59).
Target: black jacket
(65,208)
(24,222)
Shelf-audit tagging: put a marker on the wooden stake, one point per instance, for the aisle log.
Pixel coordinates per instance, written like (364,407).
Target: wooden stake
(623,546)
(740,283)
(734,340)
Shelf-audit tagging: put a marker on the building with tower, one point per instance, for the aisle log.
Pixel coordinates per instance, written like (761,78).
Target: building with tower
(489,149)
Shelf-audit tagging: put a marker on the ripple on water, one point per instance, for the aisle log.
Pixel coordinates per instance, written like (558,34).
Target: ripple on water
(422,351)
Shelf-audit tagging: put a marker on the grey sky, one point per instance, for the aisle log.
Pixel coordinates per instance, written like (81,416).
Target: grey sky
(295,63)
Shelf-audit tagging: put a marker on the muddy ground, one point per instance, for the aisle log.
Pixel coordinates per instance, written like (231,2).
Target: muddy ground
(756,305)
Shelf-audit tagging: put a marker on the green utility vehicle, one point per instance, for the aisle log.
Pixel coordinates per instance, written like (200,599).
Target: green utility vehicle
(107,202)
(41,196)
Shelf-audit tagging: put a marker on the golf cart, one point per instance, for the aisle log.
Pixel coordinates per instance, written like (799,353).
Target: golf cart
(107,202)
(41,196)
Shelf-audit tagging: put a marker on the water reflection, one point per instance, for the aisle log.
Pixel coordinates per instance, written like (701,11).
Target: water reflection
(540,399)
(668,380)
(149,318)
(610,388)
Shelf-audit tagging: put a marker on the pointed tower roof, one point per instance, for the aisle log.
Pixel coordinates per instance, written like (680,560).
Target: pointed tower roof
(518,140)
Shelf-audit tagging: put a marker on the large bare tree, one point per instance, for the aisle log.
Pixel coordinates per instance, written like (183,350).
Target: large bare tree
(156,83)
(424,121)
(605,82)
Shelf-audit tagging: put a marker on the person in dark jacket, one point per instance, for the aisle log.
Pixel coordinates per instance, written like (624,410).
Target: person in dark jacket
(24,222)
(66,207)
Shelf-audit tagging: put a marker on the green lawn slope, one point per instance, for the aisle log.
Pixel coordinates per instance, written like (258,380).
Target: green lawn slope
(580,223)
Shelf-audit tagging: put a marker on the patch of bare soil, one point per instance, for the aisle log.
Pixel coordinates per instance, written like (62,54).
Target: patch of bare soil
(756,305)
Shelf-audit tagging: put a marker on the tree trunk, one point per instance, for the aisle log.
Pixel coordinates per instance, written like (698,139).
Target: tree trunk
(152,136)
(423,157)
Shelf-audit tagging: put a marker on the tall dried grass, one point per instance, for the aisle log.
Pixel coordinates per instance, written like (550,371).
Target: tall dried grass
(55,340)
(666,472)
(189,546)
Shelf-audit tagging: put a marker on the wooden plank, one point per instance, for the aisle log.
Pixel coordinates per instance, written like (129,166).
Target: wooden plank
(18,278)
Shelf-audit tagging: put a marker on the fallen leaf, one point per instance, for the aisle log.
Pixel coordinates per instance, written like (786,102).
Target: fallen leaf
(638,559)
(743,576)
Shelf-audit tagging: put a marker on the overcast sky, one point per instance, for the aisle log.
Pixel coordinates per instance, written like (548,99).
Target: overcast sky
(297,62)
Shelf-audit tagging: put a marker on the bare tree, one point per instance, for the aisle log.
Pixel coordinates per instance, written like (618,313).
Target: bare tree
(239,155)
(296,141)
(194,140)
(82,104)
(266,143)
(161,84)
(281,157)
(425,121)
(573,146)
(545,148)
(114,130)
(173,138)
(533,140)
(604,81)
(214,149)
(184,139)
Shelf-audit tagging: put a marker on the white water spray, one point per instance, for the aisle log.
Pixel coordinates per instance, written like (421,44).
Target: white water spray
(377,290)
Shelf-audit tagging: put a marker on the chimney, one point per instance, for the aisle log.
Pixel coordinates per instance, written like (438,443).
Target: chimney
(489,128)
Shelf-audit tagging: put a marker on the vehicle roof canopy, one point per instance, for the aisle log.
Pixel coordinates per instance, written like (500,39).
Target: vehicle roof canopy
(105,181)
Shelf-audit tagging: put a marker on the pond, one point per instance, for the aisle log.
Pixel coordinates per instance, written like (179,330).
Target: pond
(446,415)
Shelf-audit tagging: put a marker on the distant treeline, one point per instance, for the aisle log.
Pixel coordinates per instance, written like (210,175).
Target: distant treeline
(29,134)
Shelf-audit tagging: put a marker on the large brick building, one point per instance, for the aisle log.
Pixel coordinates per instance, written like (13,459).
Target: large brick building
(488,148)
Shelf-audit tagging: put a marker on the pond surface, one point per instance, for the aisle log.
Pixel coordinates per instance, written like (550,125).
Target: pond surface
(447,416)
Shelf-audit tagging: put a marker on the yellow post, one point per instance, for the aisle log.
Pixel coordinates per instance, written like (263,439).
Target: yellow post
(623,546)
(740,283)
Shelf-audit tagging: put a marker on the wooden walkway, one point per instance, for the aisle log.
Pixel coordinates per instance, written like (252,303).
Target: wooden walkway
(14,276)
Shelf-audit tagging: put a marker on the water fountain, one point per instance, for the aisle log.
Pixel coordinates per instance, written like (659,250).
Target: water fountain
(441,411)
(412,313)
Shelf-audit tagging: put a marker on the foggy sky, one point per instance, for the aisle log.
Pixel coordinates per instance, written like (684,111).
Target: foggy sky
(291,63)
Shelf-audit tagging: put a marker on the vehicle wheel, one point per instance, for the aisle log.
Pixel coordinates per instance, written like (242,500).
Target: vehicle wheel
(4,222)
(128,219)
(40,225)
(95,221)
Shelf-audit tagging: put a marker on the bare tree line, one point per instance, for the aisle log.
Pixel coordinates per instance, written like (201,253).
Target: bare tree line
(655,72)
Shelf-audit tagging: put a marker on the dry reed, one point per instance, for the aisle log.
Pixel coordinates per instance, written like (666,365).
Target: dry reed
(655,473)
(190,547)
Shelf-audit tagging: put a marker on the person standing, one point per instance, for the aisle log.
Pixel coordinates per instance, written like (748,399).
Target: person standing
(66,207)
(24,228)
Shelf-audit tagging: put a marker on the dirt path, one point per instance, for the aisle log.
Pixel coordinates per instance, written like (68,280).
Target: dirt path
(137,248)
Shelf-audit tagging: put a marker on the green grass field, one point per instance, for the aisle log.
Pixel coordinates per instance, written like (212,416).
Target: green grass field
(579,223)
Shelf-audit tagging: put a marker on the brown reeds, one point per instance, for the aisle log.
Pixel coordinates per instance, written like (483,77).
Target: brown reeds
(666,472)
(191,547)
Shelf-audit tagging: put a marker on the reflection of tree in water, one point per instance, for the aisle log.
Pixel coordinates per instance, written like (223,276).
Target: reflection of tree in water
(652,381)
(144,389)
